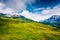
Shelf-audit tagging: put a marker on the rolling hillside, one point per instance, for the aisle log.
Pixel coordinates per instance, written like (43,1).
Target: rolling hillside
(18,29)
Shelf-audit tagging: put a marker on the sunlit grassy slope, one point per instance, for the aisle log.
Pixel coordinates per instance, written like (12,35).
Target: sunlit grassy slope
(18,29)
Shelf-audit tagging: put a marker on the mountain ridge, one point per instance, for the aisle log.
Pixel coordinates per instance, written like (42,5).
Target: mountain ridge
(53,20)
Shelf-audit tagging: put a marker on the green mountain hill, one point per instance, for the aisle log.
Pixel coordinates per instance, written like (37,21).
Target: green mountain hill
(19,29)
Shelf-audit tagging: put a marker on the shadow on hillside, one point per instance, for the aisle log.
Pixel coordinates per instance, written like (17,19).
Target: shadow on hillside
(3,28)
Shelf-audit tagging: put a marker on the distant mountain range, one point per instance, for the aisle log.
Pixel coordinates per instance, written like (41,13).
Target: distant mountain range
(1,14)
(17,17)
(53,20)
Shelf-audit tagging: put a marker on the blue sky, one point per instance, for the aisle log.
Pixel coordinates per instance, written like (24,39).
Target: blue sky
(31,4)
(42,4)
(34,9)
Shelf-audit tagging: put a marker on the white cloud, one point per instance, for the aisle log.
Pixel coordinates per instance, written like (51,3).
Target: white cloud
(45,14)
(8,11)
(53,11)
(18,5)
(2,5)
(32,16)
(38,9)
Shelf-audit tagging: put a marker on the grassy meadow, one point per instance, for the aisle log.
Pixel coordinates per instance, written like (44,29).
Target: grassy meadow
(18,29)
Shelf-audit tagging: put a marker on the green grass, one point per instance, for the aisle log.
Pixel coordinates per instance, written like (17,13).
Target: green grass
(18,29)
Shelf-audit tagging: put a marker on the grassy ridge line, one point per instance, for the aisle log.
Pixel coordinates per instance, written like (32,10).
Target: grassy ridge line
(15,29)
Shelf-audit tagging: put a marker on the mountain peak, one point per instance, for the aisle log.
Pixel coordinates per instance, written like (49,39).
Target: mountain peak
(54,20)
(55,16)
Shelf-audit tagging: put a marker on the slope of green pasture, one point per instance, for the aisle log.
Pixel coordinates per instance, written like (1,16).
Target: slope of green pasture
(17,29)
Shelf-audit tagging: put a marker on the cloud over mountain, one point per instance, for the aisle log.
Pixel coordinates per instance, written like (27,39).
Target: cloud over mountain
(13,7)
